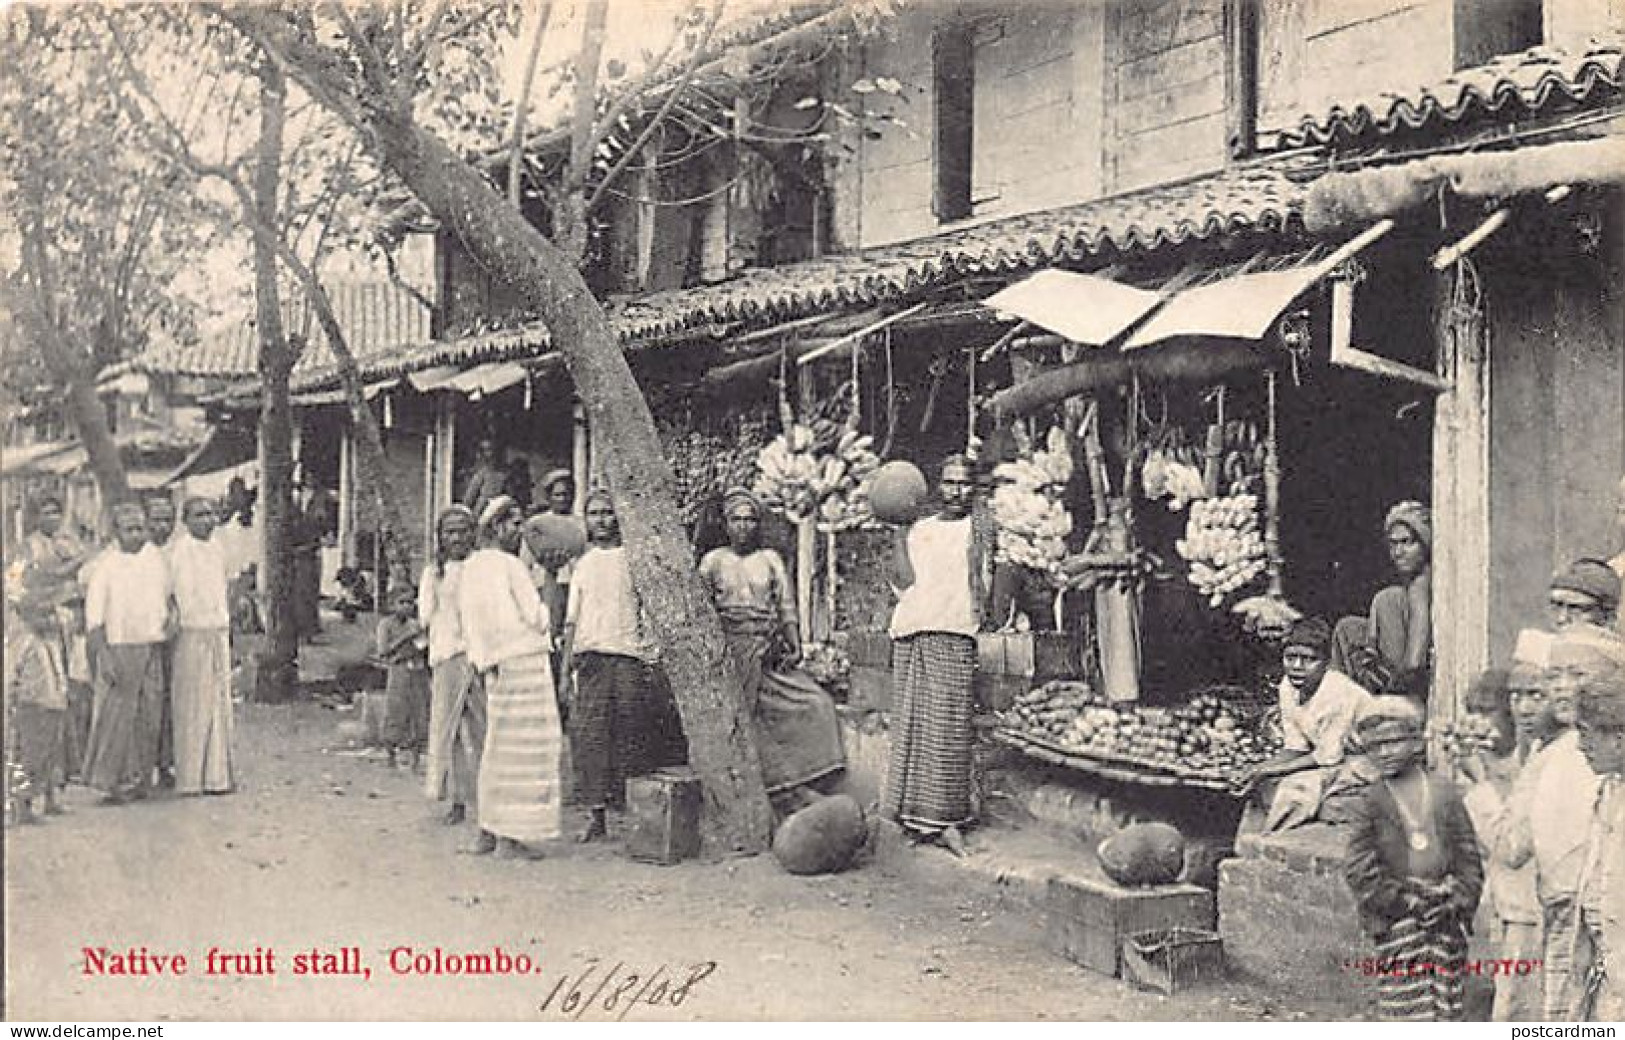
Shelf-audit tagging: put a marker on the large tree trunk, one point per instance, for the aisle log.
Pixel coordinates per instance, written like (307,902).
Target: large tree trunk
(68,363)
(90,420)
(279,665)
(719,729)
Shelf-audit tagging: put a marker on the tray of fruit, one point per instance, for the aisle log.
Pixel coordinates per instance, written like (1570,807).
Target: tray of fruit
(1204,743)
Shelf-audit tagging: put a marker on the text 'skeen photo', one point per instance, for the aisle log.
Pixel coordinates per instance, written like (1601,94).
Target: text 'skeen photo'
(675,511)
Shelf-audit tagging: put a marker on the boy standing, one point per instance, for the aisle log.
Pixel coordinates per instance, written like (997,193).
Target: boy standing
(1414,868)
(37,689)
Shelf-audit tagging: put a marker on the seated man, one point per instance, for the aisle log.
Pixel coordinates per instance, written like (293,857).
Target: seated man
(1313,776)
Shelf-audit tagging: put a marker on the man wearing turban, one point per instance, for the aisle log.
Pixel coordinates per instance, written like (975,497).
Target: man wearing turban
(1389,651)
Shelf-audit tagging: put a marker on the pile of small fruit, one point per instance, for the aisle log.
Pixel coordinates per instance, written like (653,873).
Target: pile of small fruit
(1202,738)
(817,471)
(1473,734)
(1223,546)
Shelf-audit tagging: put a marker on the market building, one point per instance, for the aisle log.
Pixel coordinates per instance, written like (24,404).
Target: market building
(1163,230)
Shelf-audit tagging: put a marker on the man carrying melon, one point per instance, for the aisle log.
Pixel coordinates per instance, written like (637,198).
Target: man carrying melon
(941,569)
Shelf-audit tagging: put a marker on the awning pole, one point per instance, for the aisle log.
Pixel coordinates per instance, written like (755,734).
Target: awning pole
(1357,243)
(836,344)
(1468,242)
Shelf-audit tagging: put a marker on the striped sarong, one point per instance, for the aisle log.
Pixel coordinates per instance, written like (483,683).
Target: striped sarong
(1565,987)
(200,697)
(123,748)
(456,731)
(1422,978)
(928,787)
(519,790)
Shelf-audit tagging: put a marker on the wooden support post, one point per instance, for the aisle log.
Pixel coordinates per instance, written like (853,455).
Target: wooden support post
(806,560)
(1461,507)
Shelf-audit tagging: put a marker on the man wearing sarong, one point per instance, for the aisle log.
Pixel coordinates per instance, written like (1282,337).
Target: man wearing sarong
(1314,774)
(1552,821)
(942,565)
(607,654)
(160,509)
(1600,939)
(509,642)
(200,680)
(798,735)
(130,616)
(457,698)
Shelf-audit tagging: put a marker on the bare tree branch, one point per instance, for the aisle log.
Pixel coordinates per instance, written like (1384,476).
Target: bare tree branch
(516,145)
(665,107)
(586,99)
(635,90)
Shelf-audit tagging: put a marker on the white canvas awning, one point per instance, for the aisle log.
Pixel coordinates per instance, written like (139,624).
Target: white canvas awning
(1244,306)
(1084,308)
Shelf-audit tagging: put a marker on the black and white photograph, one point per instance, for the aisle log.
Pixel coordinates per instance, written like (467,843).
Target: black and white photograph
(917,511)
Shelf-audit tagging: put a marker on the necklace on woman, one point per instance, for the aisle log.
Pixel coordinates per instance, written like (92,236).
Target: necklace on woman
(1414,824)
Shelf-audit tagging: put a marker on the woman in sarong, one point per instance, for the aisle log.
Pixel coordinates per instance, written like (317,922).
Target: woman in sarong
(1390,650)
(942,565)
(457,700)
(798,734)
(509,643)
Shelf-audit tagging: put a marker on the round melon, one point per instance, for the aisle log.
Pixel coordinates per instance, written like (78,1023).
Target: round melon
(554,532)
(1143,854)
(823,838)
(896,492)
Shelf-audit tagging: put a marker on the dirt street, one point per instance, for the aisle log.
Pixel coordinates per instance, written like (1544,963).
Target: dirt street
(324,850)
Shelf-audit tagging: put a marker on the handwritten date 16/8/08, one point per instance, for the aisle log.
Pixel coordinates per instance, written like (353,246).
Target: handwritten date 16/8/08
(619,989)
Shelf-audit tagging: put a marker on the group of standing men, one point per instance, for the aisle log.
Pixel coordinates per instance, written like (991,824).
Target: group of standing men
(119,661)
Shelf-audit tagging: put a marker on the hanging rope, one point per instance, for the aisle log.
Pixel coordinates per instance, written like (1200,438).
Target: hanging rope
(1272,492)
(857,392)
(970,405)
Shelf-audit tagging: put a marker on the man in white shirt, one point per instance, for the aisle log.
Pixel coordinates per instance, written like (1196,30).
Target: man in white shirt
(1554,821)
(201,676)
(129,617)
(605,673)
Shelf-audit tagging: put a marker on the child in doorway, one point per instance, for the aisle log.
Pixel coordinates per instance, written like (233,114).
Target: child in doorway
(36,688)
(1414,868)
(403,649)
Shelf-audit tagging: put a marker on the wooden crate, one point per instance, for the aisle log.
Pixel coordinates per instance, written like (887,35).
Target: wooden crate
(1172,960)
(871,649)
(1089,918)
(663,817)
(870,688)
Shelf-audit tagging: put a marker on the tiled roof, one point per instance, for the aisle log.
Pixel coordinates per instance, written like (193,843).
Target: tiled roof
(376,316)
(1262,199)
(1541,80)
